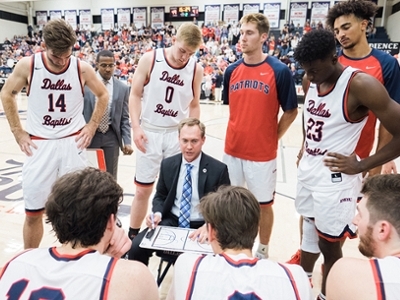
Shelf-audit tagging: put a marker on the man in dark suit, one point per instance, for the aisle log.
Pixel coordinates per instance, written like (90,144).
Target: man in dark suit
(168,203)
(114,131)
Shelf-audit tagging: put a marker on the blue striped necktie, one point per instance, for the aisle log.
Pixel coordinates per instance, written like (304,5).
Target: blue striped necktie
(185,200)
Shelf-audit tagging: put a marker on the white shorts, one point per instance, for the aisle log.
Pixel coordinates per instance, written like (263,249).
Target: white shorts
(259,176)
(160,145)
(333,211)
(52,159)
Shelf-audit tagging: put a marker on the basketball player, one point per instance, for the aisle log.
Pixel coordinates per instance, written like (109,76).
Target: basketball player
(233,272)
(378,222)
(328,173)
(169,82)
(350,20)
(82,209)
(56,133)
(255,87)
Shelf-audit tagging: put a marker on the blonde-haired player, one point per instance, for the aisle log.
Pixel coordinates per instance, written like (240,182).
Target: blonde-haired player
(165,90)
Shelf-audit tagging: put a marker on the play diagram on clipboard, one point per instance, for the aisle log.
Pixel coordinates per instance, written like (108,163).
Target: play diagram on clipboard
(174,239)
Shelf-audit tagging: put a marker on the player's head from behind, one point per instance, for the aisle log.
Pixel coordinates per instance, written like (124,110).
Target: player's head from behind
(59,38)
(191,138)
(254,31)
(316,53)
(232,215)
(378,217)
(105,64)
(186,42)
(82,206)
(350,20)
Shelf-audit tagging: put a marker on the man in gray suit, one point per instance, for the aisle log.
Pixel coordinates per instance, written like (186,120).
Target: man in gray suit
(114,131)
(206,173)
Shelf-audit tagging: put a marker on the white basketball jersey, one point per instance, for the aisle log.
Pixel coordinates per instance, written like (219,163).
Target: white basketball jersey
(55,100)
(387,277)
(167,95)
(45,274)
(328,129)
(238,277)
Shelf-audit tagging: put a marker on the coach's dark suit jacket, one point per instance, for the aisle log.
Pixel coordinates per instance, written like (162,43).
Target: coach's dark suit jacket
(120,132)
(212,174)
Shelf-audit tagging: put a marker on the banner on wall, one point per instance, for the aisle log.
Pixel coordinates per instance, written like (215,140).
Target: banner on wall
(123,17)
(391,47)
(55,14)
(140,16)
(107,18)
(319,11)
(212,14)
(157,16)
(70,17)
(85,18)
(273,11)
(250,8)
(41,18)
(298,13)
(231,13)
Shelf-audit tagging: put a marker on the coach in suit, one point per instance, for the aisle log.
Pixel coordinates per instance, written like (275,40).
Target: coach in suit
(191,165)
(114,131)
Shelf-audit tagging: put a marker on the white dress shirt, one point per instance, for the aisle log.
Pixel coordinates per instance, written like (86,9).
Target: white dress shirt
(195,201)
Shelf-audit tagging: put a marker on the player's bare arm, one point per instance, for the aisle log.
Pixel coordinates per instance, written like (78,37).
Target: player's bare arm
(384,137)
(305,84)
(286,120)
(140,77)
(18,79)
(90,79)
(194,111)
(363,95)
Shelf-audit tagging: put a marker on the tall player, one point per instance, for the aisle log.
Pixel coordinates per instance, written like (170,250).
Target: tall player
(336,107)
(56,133)
(255,87)
(350,20)
(165,90)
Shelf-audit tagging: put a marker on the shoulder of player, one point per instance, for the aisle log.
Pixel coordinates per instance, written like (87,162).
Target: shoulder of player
(341,275)
(132,278)
(199,68)
(186,261)
(296,271)
(361,80)
(147,57)
(347,267)
(85,67)
(24,65)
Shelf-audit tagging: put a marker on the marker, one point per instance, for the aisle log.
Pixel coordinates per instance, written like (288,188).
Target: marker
(152,220)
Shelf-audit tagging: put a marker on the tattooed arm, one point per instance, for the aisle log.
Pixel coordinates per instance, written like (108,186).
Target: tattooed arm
(18,79)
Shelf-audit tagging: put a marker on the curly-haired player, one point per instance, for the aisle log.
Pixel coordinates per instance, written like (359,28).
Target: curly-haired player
(350,21)
(336,107)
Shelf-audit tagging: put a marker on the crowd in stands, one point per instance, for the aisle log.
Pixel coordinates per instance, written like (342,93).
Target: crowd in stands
(221,47)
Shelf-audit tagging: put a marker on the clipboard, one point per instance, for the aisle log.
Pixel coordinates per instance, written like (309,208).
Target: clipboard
(174,239)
